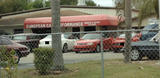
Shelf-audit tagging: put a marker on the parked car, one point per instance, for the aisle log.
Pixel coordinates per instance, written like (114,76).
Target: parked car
(29,39)
(67,42)
(118,43)
(146,33)
(21,50)
(91,42)
(149,48)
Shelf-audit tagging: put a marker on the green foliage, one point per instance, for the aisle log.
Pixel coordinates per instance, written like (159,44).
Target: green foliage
(91,3)
(12,5)
(48,3)
(43,59)
(68,2)
(38,4)
(146,8)
(8,61)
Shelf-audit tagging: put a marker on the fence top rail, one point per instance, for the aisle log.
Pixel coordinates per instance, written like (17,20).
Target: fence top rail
(108,31)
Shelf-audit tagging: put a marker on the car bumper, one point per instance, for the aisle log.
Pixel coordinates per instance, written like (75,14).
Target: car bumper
(84,48)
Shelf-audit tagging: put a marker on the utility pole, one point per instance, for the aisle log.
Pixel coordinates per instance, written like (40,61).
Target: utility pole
(56,36)
(128,21)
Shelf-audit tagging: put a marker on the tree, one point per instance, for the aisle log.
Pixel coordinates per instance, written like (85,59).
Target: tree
(38,4)
(128,17)
(68,2)
(91,3)
(56,36)
(12,5)
(146,8)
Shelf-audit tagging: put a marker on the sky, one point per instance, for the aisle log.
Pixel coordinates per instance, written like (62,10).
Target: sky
(108,3)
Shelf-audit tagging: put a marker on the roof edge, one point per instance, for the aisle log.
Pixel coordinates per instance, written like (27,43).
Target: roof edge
(62,6)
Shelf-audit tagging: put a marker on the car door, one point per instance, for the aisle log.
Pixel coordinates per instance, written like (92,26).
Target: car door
(107,43)
(70,42)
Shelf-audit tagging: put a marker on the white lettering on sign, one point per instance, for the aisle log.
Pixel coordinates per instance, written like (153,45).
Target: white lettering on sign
(91,23)
(72,24)
(76,24)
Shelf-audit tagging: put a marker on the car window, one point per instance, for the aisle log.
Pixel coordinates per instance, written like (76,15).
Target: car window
(156,37)
(5,41)
(19,37)
(153,26)
(92,36)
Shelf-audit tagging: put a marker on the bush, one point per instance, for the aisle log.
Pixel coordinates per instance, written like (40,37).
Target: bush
(43,59)
(8,61)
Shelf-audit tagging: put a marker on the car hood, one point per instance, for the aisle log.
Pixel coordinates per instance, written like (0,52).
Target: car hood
(119,40)
(16,45)
(49,39)
(144,43)
(87,41)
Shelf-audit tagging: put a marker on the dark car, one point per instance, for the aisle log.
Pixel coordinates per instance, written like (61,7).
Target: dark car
(147,32)
(149,48)
(29,39)
(21,50)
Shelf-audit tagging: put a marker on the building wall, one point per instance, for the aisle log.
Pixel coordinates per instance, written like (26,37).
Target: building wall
(10,29)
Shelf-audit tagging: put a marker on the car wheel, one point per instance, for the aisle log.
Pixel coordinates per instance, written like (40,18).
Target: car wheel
(17,58)
(135,55)
(65,48)
(117,50)
(77,52)
(98,49)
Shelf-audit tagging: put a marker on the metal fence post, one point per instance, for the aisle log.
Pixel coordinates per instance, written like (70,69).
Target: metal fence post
(102,55)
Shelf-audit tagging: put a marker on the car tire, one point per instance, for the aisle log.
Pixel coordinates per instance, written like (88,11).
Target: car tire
(77,52)
(117,50)
(65,48)
(135,55)
(98,49)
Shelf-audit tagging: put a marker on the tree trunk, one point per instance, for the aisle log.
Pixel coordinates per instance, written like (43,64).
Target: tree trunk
(56,38)
(128,20)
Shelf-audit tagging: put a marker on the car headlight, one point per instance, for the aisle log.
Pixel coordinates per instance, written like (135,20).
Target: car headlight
(89,43)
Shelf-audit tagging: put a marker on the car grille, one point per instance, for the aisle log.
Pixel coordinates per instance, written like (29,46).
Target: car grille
(82,43)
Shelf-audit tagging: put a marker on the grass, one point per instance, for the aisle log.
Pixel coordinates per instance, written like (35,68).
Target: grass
(92,69)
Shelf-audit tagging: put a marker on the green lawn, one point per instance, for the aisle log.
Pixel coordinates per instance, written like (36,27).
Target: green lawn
(113,69)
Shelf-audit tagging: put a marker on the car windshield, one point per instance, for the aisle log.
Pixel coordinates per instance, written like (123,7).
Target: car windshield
(156,37)
(19,37)
(65,36)
(5,41)
(91,36)
(123,35)
(153,26)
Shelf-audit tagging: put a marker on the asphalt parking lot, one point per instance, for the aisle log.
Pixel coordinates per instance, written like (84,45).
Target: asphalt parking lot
(72,57)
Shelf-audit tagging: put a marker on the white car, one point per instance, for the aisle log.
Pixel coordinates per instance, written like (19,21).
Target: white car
(67,42)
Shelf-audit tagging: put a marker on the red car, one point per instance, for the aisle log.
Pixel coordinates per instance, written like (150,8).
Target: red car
(21,50)
(118,43)
(91,42)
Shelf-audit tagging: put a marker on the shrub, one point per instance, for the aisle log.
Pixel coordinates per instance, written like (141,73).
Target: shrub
(43,59)
(8,61)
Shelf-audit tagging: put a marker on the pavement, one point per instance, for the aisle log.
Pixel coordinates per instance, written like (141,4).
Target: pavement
(72,57)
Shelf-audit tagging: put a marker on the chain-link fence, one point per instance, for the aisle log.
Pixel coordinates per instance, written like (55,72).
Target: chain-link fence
(85,54)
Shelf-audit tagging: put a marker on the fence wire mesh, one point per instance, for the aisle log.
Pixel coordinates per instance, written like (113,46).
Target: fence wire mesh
(32,55)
